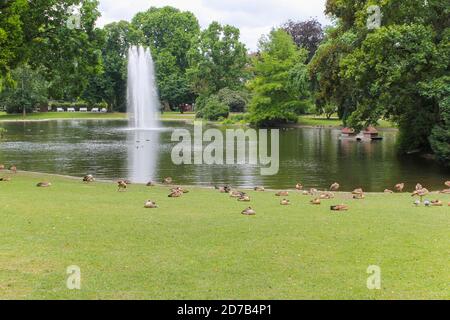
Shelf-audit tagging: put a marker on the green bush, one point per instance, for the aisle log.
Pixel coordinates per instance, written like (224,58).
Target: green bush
(211,108)
(236,100)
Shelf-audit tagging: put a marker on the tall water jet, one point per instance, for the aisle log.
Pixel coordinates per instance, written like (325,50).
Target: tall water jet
(143,99)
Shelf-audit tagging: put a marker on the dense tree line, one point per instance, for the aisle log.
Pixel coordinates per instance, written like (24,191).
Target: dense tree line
(52,50)
(398,71)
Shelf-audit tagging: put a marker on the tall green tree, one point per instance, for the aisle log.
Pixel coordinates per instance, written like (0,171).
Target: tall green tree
(218,60)
(28,90)
(11,37)
(110,85)
(395,71)
(169,33)
(280,82)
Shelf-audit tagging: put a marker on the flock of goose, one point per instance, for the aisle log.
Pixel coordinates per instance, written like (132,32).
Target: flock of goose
(177,192)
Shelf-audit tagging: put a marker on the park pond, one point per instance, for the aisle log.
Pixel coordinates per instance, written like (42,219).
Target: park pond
(315,157)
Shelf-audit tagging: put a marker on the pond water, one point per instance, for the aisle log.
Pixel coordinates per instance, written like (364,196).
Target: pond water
(315,157)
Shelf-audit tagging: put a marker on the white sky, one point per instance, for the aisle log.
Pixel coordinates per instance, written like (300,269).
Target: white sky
(253,17)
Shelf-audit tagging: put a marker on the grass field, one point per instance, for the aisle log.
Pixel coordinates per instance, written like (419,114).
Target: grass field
(79,115)
(201,247)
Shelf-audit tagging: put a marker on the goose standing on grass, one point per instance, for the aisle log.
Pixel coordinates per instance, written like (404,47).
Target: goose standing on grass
(249,212)
(420,193)
(335,187)
(399,187)
(122,186)
(44,185)
(299,187)
(89,178)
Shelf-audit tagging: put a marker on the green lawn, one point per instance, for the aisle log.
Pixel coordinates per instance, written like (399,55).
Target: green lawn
(79,115)
(201,247)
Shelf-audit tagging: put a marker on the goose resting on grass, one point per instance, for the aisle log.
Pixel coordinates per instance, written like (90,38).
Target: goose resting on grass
(244,199)
(44,185)
(89,178)
(249,212)
(150,205)
(341,207)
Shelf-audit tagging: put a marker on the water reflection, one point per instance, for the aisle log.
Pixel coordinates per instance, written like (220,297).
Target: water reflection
(315,157)
(143,150)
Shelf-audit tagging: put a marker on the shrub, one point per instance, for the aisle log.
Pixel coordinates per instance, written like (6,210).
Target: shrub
(212,108)
(235,100)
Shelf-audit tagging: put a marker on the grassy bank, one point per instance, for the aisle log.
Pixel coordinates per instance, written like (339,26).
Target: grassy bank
(307,120)
(201,247)
(79,115)
(310,120)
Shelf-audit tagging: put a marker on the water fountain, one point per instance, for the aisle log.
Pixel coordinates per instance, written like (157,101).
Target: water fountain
(143,99)
(143,115)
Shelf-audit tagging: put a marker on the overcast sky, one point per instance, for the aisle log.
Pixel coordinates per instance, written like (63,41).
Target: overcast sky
(253,17)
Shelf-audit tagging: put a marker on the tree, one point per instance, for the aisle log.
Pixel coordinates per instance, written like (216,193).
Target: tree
(28,91)
(65,42)
(235,100)
(306,34)
(389,72)
(218,60)
(170,34)
(11,37)
(111,85)
(275,94)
